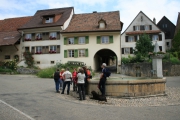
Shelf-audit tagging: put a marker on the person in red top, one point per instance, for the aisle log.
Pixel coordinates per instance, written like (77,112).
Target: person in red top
(61,79)
(74,77)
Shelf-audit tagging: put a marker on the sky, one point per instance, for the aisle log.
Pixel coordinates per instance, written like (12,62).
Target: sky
(128,8)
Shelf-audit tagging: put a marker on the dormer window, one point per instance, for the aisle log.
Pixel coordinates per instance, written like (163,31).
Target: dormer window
(102,24)
(49,20)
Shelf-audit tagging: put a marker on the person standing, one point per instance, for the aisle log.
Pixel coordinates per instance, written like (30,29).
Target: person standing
(85,79)
(61,79)
(80,82)
(56,80)
(67,76)
(102,81)
(74,74)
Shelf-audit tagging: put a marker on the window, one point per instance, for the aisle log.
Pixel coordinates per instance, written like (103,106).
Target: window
(26,49)
(38,62)
(160,48)
(82,53)
(126,50)
(49,20)
(38,36)
(28,37)
(136,28)
(52,62)
(70,41)
(130,38)
(81,40)
(101,25)
(38,50)
(167,44)
(70,53)
(52,35)
(155,37)
(7,57)
(52,49)
(146,27)
(105,39)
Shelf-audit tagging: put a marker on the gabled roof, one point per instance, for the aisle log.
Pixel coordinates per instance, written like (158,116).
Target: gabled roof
(164,17)
(37,19)
(145,16)
(177,24)
(8,30)
(89,22)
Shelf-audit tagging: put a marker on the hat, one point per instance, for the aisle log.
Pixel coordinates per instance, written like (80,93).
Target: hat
(104,64)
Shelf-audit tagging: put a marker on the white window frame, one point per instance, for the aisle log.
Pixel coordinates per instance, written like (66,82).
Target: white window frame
(53,48)
(71,41)
(104,39)
(131,39)
(38,35)
(146,27)
(49,20)
(38,49)
(126,50)
(71,53)
(53,35)
(81,40)
(81,53)
(155,37)
(137,28)
(28,36)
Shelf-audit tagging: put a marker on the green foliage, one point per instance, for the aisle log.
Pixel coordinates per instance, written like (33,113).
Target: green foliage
(133,59)
(29,60)
(176,42)
(143,46)
(5,70)
(11,64)
(47,73)
(171,57)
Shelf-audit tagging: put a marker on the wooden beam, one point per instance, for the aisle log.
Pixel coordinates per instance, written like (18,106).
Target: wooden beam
(16,47)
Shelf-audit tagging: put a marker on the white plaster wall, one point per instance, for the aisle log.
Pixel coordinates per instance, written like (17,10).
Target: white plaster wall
(138,21)
(93,48)
(68,20)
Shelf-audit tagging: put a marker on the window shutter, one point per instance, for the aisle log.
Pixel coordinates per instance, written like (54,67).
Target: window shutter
(126,38)
(76,53)
(110,39)
(86,52)
(58,49)
(76,40)
(150,27)
(135,38)
(131,50)
(47,49)
(134,28)
(122,50)
(87,39)
(65,53)
(65,41)
(32,50)
(98,39)
(160,37)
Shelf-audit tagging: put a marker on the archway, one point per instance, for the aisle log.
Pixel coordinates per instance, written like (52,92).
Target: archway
(105,56)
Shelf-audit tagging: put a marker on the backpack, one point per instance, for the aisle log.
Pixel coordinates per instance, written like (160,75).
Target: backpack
(56,75)
(108,73)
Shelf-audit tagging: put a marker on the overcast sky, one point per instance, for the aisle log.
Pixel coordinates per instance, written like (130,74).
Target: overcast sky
(128,8)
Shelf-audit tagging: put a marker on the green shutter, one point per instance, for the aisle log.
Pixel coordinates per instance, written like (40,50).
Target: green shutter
(65,53)
(75,53)
(98,39)
(87,39)
(76,40)
(86,52)
(110,39)
(65,41)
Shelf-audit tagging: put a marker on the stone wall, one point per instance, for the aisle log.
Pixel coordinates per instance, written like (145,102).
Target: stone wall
(144,69)
(23,70)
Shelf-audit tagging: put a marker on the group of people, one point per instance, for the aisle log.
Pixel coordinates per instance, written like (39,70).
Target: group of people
(79,78)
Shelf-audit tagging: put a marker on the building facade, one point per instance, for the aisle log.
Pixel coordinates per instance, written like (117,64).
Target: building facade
(140,25)
(169,28)
(93,38)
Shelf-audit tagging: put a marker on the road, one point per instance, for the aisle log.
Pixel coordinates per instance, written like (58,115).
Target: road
(36,98)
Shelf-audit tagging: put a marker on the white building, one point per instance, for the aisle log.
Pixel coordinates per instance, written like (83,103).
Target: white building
(140,25)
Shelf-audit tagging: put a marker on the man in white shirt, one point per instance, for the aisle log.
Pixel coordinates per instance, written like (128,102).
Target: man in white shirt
(67,80)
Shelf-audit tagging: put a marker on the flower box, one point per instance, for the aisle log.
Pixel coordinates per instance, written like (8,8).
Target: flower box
(27,39)
(38,39)
(38,53)
(52,51)
(52,38)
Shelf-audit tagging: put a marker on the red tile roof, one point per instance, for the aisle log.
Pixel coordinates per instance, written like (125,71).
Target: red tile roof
(12,24)
(89,22)
(37,19)
(8,30)
(142,32)
(178,24)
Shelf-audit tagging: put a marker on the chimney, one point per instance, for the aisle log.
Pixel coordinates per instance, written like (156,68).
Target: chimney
(154,20)
(94,11)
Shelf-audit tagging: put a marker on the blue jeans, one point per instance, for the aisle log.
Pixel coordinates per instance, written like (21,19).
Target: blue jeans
(57,82)
(64,86)
(61,83)
(102,84)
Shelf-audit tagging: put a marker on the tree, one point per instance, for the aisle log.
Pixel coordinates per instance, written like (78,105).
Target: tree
(143,46)
(176,42)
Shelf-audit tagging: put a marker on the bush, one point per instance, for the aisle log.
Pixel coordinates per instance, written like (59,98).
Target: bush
(5,70)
